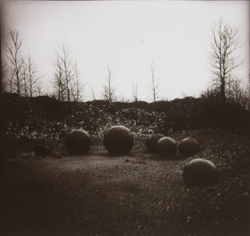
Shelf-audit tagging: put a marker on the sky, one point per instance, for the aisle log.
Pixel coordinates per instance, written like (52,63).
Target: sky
(128,36)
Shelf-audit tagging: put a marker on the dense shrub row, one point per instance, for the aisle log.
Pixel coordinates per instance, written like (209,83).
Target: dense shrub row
(44,117)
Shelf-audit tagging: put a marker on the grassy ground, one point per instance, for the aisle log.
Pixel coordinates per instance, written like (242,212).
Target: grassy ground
(139,194)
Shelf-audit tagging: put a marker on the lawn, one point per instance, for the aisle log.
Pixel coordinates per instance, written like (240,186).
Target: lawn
(138,194)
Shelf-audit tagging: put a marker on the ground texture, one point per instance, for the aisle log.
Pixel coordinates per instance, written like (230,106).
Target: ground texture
(138,194)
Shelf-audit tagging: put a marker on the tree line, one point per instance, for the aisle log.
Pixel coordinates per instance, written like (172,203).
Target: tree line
(226,86)
(20,75)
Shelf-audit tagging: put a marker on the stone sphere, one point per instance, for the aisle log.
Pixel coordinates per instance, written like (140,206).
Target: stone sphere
(167,147)
(189,147)
(151,142)
(200,173)
(118,140)
(78,142)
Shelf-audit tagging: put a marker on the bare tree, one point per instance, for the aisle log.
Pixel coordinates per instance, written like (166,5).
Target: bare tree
(92,92)
(25,82)
(123,99)
(109,91)
(249,89)
(16,65)
(78,86)
(225,41)
(135,92)
(64,75)
(238,93)
(58,83)
(154,83)
(33,77)
(66,81)
(39,90)
(10,82)
(4,76)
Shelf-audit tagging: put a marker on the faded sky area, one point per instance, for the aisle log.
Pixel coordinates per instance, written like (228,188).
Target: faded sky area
(128,36)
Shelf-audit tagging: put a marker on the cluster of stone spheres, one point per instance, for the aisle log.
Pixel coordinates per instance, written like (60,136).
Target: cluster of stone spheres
(118,140)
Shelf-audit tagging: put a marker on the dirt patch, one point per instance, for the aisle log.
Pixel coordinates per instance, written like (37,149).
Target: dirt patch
(138,194)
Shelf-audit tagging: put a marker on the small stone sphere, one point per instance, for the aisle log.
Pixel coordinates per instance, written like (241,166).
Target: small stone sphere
(118,140)
(167,147)
(189,147)
(151,142)
(200,173)
(78,142)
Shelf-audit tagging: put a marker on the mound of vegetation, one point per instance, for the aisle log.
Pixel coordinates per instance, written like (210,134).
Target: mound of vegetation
(46,118)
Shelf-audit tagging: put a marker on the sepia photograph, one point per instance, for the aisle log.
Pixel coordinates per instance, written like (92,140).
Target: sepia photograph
(125,118)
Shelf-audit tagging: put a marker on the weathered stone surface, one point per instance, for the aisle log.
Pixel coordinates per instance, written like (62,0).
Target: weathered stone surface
(118,140)
(200,173)
(167,147)
(189,147)
(78,142)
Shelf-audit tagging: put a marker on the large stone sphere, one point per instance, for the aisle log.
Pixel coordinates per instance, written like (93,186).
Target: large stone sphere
(151,142)
(200,173)
(118,140)
(78,142)
(189,147)
(167,147)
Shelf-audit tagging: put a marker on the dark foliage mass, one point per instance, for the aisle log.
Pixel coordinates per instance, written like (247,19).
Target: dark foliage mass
(43,150)
(46,118)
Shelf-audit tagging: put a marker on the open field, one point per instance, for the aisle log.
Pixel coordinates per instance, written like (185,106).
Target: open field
(139,194)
